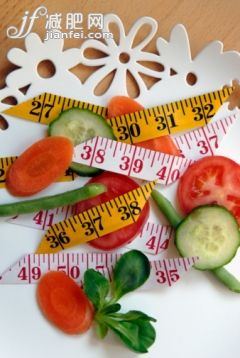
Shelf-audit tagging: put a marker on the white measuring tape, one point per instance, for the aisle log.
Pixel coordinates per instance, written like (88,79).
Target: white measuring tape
(154,237)
(30,268)
(146,164)
(204,141)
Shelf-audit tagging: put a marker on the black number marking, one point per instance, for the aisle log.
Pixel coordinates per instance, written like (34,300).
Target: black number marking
(61,239)
(36,106)
(2,175)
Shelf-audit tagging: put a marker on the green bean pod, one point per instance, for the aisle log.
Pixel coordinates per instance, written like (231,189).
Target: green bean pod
(53,201)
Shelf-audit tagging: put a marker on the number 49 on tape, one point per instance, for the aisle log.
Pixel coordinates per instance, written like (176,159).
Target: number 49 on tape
(30,268)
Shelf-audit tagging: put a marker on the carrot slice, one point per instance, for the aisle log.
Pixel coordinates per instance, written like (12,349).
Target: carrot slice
(163,144)
(64,303)
(119,105)
(39,166)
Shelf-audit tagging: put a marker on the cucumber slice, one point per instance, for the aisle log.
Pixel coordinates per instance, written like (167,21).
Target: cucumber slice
(210,232)
(79,125)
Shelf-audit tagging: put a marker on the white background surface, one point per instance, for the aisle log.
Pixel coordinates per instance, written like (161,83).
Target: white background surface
(197,317)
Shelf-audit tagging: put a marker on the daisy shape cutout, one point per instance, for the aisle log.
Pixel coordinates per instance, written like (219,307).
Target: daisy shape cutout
(37,52)
(122,58)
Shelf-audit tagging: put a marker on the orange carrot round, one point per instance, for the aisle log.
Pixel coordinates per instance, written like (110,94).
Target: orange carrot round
(64,303)
(163,144)
(39,166)
(119,105)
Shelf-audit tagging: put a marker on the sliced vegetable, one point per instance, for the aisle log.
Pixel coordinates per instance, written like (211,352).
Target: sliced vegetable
(39,166)
(79,125)
(134,328)
(116,185)
(51,202)
(119,105)
(163,144)
(211,180)
(175,220)
(64,303)
(211,233)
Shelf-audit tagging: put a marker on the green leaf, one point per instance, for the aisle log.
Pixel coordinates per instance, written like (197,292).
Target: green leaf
(112,308)
(101,330)
(138,335)
(96,287)
(133,315)
(130,272)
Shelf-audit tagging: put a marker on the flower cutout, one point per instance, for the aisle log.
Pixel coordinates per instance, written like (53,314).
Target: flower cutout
(8,96)
(123,57)
(36,52)
(211,65)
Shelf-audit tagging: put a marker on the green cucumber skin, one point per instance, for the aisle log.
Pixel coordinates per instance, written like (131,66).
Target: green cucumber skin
(175,220)
(105,131)
(54,201)
(84,170)
(207,209)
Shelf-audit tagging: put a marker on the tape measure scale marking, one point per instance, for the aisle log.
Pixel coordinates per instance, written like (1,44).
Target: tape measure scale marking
(97,221)
(169,118)
(134,127)
(30,268)
(143,163)
(204,141)
(5,163)
(47,106)
(130,160)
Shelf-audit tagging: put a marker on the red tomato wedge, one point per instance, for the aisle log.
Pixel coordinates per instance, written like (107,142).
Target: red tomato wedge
(64,303)
(116,185)
(119,105)
(39,166)
(211,180)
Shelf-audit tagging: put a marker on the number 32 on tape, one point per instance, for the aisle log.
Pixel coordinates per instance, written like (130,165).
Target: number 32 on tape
(97,221)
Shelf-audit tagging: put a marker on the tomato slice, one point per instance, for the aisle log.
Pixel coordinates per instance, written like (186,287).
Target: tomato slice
(211,180)
(116,184)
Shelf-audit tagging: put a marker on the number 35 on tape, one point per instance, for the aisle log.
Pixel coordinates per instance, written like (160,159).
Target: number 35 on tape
(30,268)
(97,221)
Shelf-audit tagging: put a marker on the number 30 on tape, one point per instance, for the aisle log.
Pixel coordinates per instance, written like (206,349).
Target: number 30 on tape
(97,221)
(135,127)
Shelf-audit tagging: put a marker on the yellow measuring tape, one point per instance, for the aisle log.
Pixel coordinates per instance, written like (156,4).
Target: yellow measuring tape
(96,222)
(6,162)
(135,127)
(46,107)
(170,118)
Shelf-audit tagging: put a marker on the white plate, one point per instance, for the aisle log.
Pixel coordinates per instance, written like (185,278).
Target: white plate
(197,317)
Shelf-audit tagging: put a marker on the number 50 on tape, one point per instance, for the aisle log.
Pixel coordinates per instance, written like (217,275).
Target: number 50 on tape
(30,268)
